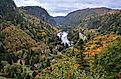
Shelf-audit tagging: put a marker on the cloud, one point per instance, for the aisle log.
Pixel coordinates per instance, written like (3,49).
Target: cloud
(27,3)
(113,3)
(63,7)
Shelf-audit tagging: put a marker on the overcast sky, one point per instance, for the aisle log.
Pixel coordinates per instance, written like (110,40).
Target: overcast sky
(63,7)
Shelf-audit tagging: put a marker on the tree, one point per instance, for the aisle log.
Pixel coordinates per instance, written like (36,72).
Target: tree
(109,62)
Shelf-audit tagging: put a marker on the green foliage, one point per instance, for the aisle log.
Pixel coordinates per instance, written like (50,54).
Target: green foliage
(62,68)
(39,12)
(109,62)
(26,40)
(17,71)
(76,17)
(105,23)
(15,39)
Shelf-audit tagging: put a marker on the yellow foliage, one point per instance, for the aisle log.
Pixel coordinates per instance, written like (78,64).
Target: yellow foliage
(37,76)
(16,39)
(76,66)
(55,29)
(42,34)
(98,43)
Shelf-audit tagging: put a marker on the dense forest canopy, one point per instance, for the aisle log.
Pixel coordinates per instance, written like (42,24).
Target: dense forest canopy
(31,49)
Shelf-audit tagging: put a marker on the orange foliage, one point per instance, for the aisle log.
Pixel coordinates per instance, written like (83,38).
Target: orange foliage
(92,48)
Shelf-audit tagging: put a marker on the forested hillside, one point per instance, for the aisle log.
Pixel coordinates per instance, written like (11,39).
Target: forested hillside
(21,36)
(74,18)
(30,48)
(58,19)
(106,23)
(39,12)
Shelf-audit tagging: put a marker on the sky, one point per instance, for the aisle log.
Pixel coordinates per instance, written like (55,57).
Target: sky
(63,7)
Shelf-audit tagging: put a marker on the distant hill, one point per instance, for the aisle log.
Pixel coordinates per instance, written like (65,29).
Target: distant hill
(58,19)
(8,9)
(6,6)
(39,12)
(75,18)
(106,23)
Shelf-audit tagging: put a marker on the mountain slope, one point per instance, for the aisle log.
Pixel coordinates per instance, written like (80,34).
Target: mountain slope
(16,39)
(31,27)
(107,23)
(5,9)
(58,19)
(74,18)
(39,12)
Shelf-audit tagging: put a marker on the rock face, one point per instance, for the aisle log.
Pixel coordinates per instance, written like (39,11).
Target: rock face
(39,12)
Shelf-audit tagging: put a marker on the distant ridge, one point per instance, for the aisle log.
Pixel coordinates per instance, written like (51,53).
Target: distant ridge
(58,19)
(39,12)
(74,18)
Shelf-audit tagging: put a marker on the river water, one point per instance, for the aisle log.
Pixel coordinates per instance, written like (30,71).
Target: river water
(64,39)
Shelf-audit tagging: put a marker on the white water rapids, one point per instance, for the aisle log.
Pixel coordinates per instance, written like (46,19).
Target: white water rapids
(64,40)
(63,36)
